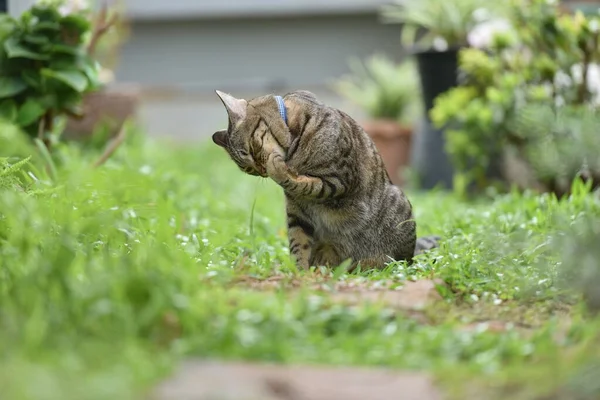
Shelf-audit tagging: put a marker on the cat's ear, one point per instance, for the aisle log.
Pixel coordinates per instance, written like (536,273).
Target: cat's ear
(220,138)
(236,108)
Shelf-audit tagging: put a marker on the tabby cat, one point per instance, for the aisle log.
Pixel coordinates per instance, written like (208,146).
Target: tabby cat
(340,202)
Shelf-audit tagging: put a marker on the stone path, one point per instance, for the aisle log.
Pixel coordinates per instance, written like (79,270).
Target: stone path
(410,296)
(197,380)
(213,380)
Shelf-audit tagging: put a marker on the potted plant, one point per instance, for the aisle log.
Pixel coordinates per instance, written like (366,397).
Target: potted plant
(44,69)
(435,31)
(388,93)
(526,92)
(109,107)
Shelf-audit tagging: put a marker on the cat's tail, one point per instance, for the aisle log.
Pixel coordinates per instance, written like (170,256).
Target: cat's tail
(426,243)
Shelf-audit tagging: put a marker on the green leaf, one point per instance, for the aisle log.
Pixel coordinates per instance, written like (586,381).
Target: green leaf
(75,109)
(6,19)
(75,24)
(92,70)
(45,13)
(10,86)
(47,157)
(8,110)
(75,79)
(14,49)
(63,61)
(36,39)
(49,100)
(7,25)
(46,26)
(33,78)
(30,112)
(65,49)
(68,101)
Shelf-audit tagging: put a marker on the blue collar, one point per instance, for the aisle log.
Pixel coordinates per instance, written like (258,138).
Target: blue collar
(282,110)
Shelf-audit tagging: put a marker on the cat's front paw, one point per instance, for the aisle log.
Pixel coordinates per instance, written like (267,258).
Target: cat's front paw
(277,169)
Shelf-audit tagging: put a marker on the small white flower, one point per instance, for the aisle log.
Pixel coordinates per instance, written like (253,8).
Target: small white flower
(482,34)
(481,14)
(440,44)
(73,6)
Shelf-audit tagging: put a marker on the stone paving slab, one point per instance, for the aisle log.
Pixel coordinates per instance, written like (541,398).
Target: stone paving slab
(411,296)
(197,380)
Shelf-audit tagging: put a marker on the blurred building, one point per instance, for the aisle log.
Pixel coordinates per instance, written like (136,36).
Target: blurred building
(180,51)
(249,44)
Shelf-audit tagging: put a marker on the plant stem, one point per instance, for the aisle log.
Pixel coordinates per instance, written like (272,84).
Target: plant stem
(112,147)
(102,25)
(582,92)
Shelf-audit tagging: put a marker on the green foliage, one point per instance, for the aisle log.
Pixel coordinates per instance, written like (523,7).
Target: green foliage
(518,258)
(122,270)
(560,144)
(13,143)
(425,21)
(9,172)
(579,253)
(22,176)
(383,88)
(44,66)
(539,63)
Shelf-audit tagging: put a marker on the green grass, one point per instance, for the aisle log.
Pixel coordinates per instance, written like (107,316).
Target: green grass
(109,276)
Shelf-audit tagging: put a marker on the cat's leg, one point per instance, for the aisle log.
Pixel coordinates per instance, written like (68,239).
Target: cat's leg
(372,263)
(325,255)
(299,236)
(303,185)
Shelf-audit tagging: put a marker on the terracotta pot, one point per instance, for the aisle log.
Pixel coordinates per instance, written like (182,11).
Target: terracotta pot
(394,144)
(109,107)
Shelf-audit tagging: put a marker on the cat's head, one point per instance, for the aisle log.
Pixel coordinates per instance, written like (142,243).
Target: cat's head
(236,139)
(259,121)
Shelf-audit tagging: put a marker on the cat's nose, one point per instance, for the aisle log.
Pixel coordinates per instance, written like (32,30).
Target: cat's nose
(262,171)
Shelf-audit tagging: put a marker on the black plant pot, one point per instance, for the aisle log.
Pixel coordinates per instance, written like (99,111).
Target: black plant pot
(438,71)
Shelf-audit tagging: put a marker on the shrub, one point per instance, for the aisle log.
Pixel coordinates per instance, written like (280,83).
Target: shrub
(545,60)
(44,67)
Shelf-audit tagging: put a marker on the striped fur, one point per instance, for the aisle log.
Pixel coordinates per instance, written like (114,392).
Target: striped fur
(340,202)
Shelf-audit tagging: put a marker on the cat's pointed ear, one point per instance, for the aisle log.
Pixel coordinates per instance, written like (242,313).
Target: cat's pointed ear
(236,108)
(220,138)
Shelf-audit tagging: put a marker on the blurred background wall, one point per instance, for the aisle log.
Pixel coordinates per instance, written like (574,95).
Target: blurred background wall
(180,51)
